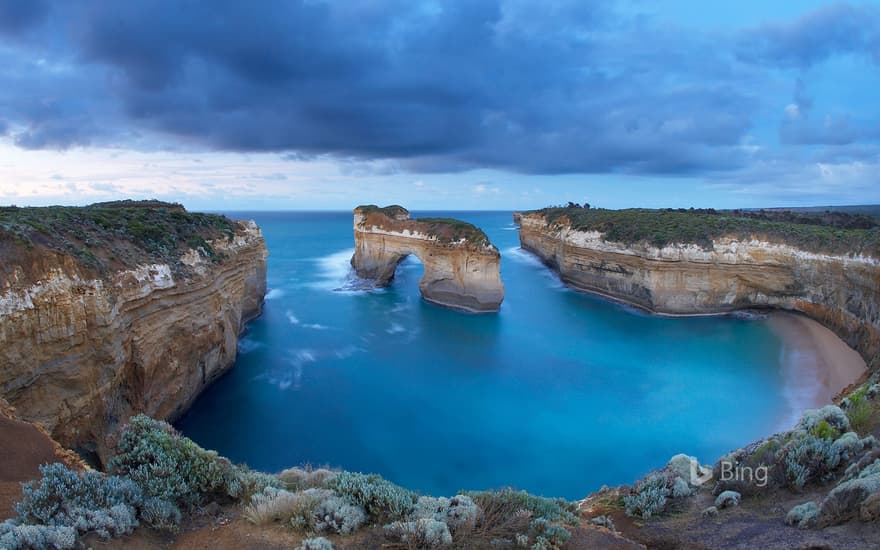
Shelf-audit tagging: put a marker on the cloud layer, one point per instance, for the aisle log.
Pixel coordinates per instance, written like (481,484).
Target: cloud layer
(567,87)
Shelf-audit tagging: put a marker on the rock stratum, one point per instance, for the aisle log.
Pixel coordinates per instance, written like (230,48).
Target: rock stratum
(841,291)
(462,268)
(112,310)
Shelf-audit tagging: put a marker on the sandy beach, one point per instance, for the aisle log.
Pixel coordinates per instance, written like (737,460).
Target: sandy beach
(816,364)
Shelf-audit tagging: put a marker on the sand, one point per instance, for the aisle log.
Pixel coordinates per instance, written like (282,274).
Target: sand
(816,364)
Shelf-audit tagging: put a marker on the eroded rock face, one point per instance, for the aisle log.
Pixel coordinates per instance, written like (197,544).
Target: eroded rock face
(841,292)
(80,353)
(462,268)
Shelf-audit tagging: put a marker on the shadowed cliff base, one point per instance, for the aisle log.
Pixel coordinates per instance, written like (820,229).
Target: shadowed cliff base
(462,268)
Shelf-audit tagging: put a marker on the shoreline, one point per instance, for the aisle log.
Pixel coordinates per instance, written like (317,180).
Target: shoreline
(816,364)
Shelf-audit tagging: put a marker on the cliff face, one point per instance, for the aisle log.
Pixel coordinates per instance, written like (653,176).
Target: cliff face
(462,269)
(80,352)
(841,292)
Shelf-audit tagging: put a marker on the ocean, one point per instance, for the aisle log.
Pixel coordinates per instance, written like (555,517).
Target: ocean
(559,393)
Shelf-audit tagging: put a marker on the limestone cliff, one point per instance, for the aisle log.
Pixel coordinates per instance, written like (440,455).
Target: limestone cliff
(840,291)
(141,323)
(462,268)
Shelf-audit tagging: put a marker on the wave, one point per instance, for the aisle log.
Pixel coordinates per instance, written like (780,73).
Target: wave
(274,294)
(246,345)
(395,328)
(335,273)
(519,255)
(524,257)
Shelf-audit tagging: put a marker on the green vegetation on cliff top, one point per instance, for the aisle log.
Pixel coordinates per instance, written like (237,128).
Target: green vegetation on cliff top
(447,230)
(829,232)
(105,236)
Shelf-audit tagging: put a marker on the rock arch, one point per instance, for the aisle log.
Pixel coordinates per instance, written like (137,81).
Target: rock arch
(462,269)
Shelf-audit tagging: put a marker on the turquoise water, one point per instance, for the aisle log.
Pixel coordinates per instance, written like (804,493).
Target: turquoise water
(559,393)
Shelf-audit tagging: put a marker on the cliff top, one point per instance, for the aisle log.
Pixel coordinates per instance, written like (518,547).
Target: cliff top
(104,237)
(446,230)
(824,232)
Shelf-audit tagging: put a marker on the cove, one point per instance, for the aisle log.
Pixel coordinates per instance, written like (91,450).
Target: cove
(559,393)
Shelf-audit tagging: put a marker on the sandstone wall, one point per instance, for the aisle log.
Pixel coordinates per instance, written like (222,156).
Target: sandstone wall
(841,292)
(459,275)
(81,354)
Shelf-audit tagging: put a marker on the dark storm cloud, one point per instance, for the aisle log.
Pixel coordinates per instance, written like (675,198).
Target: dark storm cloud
(446,86)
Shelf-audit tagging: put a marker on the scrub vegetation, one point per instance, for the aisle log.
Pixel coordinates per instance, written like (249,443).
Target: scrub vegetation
(158,478)
(830,232)
(110,235)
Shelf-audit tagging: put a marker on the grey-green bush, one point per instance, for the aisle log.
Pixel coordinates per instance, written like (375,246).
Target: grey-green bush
(170,467)
(336,515)
(381,499)
(14,536)
(807,458)
(548,536)
(87,501)
(803,515)
(423,532)
(316,543)
(456,512)
(648,498)
(160,514)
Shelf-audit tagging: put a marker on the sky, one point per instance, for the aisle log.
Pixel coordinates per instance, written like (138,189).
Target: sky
(477,104)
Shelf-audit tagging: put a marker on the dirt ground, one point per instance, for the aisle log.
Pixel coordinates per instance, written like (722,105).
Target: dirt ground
(23,448)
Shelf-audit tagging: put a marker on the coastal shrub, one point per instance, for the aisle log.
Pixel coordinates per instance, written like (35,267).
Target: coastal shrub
(298,479)
(548,536)
(807,458)
(457,512)
(36,537)
(727,499)
(336,515)
(160,514)
(836,232)
(849,445)
(131,233)
(316,543)
(604,521)
(803,515)
(852,498)
(247,483)
(280,505)
(552,509)
(170,467)
(680,488)
(823,430)
(381,499)
(859,413)
(499,519)
(831,414)
(422,533)
(86,502)
(648,498)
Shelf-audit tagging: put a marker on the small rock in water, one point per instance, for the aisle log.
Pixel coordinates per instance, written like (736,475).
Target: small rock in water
(710,512)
